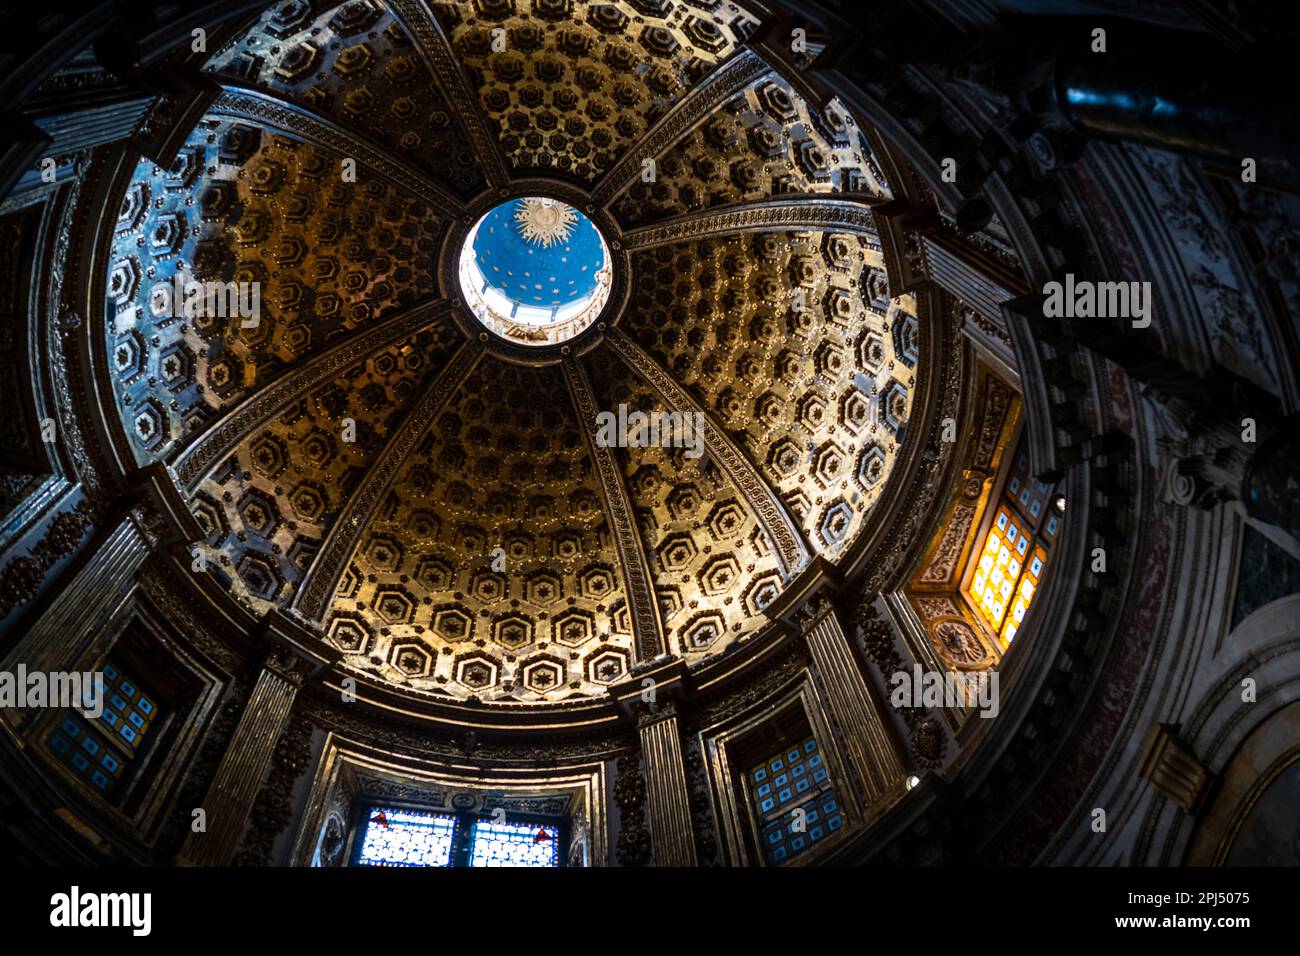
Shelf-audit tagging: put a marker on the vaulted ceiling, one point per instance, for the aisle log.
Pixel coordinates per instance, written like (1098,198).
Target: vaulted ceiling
(753,288)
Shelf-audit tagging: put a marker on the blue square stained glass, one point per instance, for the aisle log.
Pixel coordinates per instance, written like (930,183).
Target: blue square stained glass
(99,750)
(79,746)
(803,810)
(129,708)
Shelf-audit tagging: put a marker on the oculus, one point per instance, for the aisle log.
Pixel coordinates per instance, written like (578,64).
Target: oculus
(535,271)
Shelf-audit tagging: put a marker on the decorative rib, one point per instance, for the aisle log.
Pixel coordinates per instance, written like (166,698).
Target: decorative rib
(289,119)
(760,497)
(702,101)
(435,49)
(642,606)
(317,589)
(831,212)
(209,446)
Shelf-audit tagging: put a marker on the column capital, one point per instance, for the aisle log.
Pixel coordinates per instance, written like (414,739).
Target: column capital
(648,691)
(295,651)
(811,613)
(651,713)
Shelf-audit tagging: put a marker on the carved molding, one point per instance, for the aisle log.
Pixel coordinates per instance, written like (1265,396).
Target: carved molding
(23,576)
(313,597)
(905,520)
(630,796)
(64,328)
(777,523)
(238,103)
(435,49)
(166,595)
(943,565)
(642,606)
(926,736)
(273,807)
(703,824)
(208,447)
(803,212)
(790,664)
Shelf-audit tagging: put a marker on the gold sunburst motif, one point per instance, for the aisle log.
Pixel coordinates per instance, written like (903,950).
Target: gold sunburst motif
(545,222)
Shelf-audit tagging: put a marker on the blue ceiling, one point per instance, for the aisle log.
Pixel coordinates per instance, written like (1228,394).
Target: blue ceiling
(529,273)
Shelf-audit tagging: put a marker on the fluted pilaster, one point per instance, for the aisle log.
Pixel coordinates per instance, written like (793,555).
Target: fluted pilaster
(239,777)
(669,801)
(853,706)
(81,605)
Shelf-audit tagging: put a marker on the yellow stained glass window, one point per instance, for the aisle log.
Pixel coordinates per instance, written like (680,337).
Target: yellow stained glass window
(1009,567)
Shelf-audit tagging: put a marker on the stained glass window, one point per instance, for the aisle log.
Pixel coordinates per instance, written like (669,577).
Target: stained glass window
(513,844)
(99,750)
(407,838)
(392,836)
(794,801)
(128,710)
(84,749)
(1009,567)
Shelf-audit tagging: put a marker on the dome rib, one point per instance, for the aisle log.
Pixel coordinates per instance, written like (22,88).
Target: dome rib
(448,70)
(245,104)
(359,65)
(760,497)
(316,592)
(729,79)
(193,461)
(789,214)
(634,567)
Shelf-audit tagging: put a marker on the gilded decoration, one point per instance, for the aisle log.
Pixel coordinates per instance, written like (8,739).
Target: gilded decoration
(957,632)
(441,510)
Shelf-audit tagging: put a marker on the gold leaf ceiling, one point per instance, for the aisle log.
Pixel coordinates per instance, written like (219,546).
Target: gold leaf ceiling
(787,337)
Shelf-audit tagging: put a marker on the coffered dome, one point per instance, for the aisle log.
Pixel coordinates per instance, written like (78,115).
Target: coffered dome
(659,432)
(437,498)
